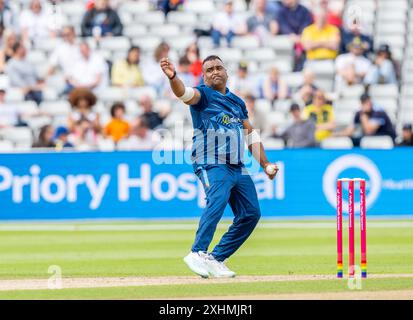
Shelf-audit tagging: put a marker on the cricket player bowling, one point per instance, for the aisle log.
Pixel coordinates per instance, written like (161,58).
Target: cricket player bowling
(221,127)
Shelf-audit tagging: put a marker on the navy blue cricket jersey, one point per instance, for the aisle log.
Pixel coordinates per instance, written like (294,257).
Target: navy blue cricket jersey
(218,130)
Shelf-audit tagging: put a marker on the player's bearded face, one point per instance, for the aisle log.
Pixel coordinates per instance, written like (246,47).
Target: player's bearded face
(215,74)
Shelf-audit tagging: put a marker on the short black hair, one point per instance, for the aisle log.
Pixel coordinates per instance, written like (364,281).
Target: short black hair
(365,97)
(211,58)
(116,106)
(132,48)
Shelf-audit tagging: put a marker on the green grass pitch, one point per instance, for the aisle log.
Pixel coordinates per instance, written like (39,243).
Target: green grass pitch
(156,248)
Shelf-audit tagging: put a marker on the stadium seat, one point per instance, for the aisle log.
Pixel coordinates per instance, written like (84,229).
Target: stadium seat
(147,43)
(260,54)
(137,93)
(165,31)
(180,43)
(56,81)
(127,19)
(282,105)
(151,18)
(134,7)
(14,95)
(347,105)
(55,108)
(293,79)
(115,43)
(50,94)
(276,118)
(337,143)
(263,106)
(106,145)
(135,30)
(28,108)
(325,67)
(344,117)
(228,55)
(379,142)
(72,8)
(280,43)
(274,144)
(6,146)
(19,136)
(199,6)
(112,94)
(246,42)
(182,18)
(406,116)
(384,91)
(36,57)
(391,28)
(388,104)
(284,66)
(352,92)
(35,123)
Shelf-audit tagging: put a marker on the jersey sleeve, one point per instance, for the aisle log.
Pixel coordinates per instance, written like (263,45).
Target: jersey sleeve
(203,102)
(244,111)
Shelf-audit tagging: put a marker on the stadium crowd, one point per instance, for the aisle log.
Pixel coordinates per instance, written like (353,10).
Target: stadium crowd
(119,101)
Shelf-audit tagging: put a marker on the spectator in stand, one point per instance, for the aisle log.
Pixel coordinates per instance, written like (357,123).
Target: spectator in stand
(6,52)
(37,22)
(292,19)
(118,127)
(84,136)
(167,6)
(61,138)
(152,74)
(101,21)
(153,119)
(334,11)
(66,53)
(301,133)
(368,121)
(194,56)
(257,117)
(9,115)
(243,83)
(261,23)
(141,137)
(322,114)
(22,74)
(321,40)
(353,31)
(89,71)
(407,136)
(384,69)
(227,24)
(352,67)
(274,87)
(82,101)
(7,18)
(184,72)
(127,72)
(305,92)
(45,139)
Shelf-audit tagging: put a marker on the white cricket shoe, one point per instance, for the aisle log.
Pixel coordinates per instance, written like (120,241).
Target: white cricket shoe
(197,263)
(217,269)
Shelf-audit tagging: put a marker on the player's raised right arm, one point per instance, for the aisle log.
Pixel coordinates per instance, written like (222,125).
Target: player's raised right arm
(188,95)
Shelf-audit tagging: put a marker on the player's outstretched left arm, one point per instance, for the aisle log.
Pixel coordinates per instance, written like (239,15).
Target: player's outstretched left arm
(257,149)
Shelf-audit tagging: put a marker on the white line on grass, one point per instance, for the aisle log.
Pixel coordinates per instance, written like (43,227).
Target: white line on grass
(183,227)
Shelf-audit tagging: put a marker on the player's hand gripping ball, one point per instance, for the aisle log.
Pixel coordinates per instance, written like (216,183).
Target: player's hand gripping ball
(271,170)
